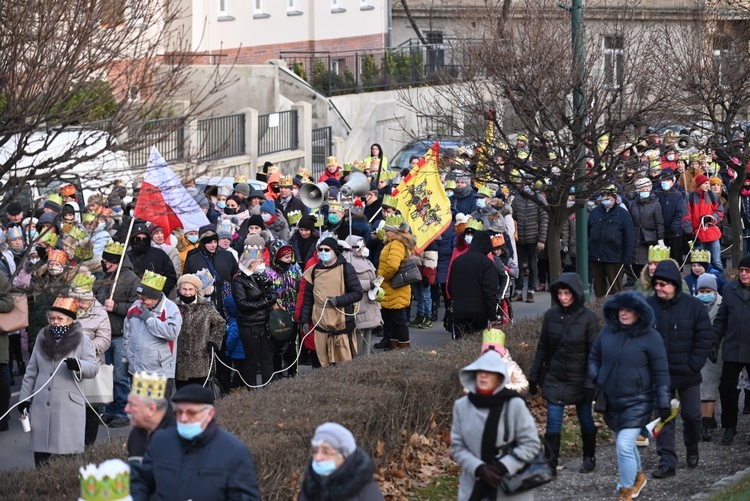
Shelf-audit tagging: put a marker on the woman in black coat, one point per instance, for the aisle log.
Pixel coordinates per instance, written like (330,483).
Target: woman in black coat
(628,363)
(253,293)
(568,331)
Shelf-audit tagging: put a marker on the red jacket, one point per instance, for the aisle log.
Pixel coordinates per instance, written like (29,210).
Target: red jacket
(699,205)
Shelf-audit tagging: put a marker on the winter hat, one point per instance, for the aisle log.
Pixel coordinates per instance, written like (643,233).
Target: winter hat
(715,181)
(332,182)
(707,280)
(330,242)
(153,228)
(257,194)
(207,233)
(256,220)
(667,174)
(201,200)
(463,178)
(700,179)
(194,394)
(337,437)
(255,240)
(283,251)
(242,188)
(47,218)
(643,182)
(14,208)
(268,207)
(54,202)
(225,230)
(668,271)
(139,229)
(190,279)
(307,223)
(744,262)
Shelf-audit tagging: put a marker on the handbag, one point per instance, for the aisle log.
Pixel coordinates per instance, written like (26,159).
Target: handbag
(600,401)
(649,237)
(407,274)
(99,390)
(18,317)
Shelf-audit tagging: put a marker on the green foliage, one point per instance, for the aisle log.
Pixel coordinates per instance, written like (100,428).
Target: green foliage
(370,70)
(91,101)
(441,488)
(299,69)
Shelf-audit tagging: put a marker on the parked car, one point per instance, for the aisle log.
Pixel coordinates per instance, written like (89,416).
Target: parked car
(419,147)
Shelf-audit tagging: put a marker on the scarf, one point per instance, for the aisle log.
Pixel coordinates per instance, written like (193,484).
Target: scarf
(495,403)
(59,331)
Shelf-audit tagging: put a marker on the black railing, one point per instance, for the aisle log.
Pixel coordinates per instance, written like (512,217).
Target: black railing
(222,137)
(347,71)
(435,125)
(167,134)
(322,148)
(277,132)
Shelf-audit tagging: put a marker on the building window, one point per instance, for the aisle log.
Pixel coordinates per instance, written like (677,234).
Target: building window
(291,5)
(612,50)
(435,51)
(336,6)
(258,10)
(223,8)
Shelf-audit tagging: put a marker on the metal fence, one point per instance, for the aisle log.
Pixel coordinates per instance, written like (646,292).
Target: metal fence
(322,148)
(167,134)
(277,132)
(435,125)
(221,137)
(347,71)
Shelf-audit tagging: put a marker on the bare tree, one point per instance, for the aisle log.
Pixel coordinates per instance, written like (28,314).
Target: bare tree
(528,76)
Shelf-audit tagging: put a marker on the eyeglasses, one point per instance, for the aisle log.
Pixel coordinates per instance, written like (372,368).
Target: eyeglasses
(55,319)
(744,270)
(324,249)
(141,239)
(324,451)
(190,413)
(661,283)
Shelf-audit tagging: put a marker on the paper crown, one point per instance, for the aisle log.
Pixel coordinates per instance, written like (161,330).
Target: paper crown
(148,385)
(347,167)
(272,169)
(493,339)
(450,184)
(286,181)
(389,201)
(695,157)
(57,255)
(207,279)
(84,280)
(700,256)
(103,211)
(331,161)
(15,232)
(654,164)
(293,217)
(302,172)
(68,304)
(388,175)
(110,481)
(498,240)
(77,233)
(394,220)
(658,253)
(85,249)
(55,198)
(475,224)
(252,253)
(240,178)
(224,191)
(48,238)
(113,247)
(319,220)
(68,190)
(153,280)
(225,227)
(334,205)
(89,217)
(486,191)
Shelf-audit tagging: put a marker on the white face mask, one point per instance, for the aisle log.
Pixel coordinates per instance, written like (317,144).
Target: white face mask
(266,217)
(570,203)
(260,268)
(481,202)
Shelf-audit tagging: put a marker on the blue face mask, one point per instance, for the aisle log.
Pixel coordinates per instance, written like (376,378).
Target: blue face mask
(706,297)
(221,205)
(666,185)
(192,238)
(469,238)
(644,194)
(481,202)
(334,218)
(607,202)
(324,256)
(449,193)
(33,235)
(324,468)
(189,431)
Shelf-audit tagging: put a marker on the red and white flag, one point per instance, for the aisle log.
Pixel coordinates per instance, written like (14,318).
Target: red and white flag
(163,200)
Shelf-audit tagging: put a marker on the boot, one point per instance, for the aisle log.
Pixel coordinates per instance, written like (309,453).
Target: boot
(435,306)
(625,494)
(589,451)
(706,429)
(530,297)
(21,369)
(383,344)
(403,345)
(394,344)
(552,444)
(417,321)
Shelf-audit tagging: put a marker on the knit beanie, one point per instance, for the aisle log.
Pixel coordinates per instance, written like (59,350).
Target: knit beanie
(268,207)
(337,437)
(744,262)
(700,179)
(255,240)
(256,220)
(333,244)
(242,188)
(707,280)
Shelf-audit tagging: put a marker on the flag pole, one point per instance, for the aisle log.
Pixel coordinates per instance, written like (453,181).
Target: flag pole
(122,258)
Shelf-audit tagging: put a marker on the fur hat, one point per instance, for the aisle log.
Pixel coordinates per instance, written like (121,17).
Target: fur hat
(190,279)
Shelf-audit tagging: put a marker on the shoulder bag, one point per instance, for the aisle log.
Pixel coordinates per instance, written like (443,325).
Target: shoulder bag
(98,390)
(407,274)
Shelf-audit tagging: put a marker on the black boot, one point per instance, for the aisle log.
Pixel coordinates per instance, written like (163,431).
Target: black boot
(383,344)
(21,369)
(706,429)
(552,444)
(589,451)
(417,321)
(435,306)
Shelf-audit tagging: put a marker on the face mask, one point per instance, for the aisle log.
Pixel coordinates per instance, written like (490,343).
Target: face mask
(130,212)
(213,200)
(221,205)
(230,211)
(324,256)
(54,271)
(186,299)
(260,268)
(33,260)
(666,185)
(469,238)
(481,202)
(275,189)
(670,157)
(33,235)
(449,193)
(324,468)
(706,297)
(266,217)
(644,194)
(100,226)
(527,189)
(607,202)
(570,203)
(191,238)
(334,218)
(59,331)
(189,431)
(116,209)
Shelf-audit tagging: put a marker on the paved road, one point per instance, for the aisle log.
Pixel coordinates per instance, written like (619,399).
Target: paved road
(14,444)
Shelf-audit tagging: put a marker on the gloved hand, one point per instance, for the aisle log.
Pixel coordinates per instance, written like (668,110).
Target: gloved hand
(533,388)
(24,406)
(146,314)
(271,300)
(588,395)
(211,346)
(539,246)
(665,413)
(713,355)
(490,475)
(332,301)
(305,328)
(661,243)
(72,364)
(565,250)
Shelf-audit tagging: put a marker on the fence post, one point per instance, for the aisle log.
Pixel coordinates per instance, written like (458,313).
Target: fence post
(251,139)
(193,144)
(330,93)
(356,72)
(304,130)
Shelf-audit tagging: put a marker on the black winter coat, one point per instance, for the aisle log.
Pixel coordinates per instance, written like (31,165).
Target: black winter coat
(214,465)
(157,261)
(645,214)
(610,235)
(222,261)
(673,210)
(473,281)
(565,352)
(531,219)
(125,294)
(631,376)
(352,481)
(254,297)
(294,204)
(731,323)
(685,326)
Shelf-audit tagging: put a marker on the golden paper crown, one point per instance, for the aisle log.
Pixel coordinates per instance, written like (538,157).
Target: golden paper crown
(77,233)
(272,169)
(319,220)
(475,224)
(486,191)
(700,256)
(498,240)
(389,201)
(334,205)
(331,161)
(84,280)
(89,216)
(394,220)
(450,184)
(148,385)
(113,247)
(294,216)
(695,157)
(658,253)
(68,190)
(302,172)
(85,249)
(111,480)
(66,303)
(48,238)
(57,255)
(153,280)
(286,181)
(240,178)
(56,198)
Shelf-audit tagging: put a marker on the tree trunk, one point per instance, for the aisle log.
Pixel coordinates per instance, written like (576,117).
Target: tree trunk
(735,219)
(413,22)
(558,216)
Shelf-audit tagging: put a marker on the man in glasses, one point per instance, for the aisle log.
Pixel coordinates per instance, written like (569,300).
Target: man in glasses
(685,326)
(196,459)
(143,256)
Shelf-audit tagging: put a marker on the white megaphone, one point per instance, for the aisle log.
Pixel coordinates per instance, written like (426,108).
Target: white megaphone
(357,186)
(313,195)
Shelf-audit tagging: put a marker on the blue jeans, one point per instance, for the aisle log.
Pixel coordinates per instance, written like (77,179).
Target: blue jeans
(628,459)
(424,299)
(715,249)
(121,379)
(555,417)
